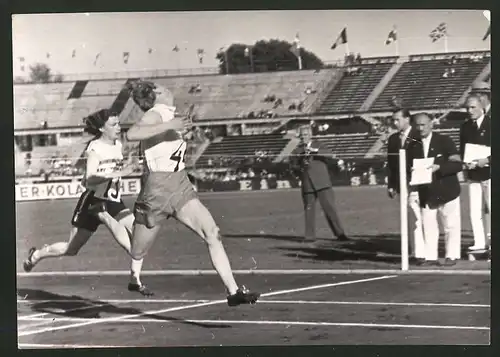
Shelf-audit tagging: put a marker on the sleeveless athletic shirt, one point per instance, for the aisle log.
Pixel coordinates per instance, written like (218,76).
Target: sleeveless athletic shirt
(111,159)
(166,151)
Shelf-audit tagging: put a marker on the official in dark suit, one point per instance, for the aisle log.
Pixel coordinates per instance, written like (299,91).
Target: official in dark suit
(311,161)
(397,141)
(442,194)
(477,130)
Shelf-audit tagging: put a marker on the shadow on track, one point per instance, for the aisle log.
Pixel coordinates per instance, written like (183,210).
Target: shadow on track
(80,307)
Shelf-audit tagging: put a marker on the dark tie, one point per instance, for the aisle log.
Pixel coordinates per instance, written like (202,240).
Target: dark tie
(474,125)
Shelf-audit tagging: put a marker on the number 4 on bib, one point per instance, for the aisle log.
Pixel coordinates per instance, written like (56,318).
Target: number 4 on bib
(179,155)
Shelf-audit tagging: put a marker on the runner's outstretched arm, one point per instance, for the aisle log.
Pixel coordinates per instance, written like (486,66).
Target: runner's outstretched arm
(151,125)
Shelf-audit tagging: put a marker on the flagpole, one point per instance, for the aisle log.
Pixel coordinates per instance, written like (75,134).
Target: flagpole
(299,58)
(397,47)
(346,42)
(446,43)
(226,59)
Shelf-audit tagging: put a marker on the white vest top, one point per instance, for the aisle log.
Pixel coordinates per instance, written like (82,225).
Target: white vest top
(164,152)
(111,158)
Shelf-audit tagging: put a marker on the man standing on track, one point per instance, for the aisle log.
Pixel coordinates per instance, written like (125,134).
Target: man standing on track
(311,161)
(442,194)
(477,130)
(401,140)
(165,188)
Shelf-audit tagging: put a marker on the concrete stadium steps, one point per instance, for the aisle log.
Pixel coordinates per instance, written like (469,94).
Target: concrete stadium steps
(345,146)
(62,89)
(236,147)
(352,90)
(420,84)
(31,111)
(77,109)
(453,133)
(104,87)
(78,89)
(234,95)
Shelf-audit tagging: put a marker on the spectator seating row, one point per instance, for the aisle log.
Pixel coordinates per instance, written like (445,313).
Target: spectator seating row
(239,147)
(353,89)
(421,84)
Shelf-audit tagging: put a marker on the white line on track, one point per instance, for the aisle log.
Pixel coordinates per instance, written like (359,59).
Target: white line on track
(192,306)
(284,302)
(295,323)
(255,272)
(111,301)
(45,345)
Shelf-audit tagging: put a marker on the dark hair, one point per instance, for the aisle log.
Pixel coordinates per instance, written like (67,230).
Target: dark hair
(142,93)
(96,121)
(406,113)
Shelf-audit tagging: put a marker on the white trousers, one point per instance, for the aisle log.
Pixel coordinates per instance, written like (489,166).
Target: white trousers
(479,190)
(450,218)
(417,243)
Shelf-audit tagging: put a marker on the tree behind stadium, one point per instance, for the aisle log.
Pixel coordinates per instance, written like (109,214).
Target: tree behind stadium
(41,73)
(267,56)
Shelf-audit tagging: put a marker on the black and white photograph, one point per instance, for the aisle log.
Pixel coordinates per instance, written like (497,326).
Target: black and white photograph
(252,178)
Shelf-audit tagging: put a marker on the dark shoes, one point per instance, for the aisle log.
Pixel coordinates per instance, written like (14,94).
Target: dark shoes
(28,263)
(343,238)
(242,296)
(141,289)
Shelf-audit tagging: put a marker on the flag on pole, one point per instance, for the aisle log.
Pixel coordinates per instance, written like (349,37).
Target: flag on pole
(295,48)
(342,39)
(176,48)
(392,37)
(96,58)
(438,32)
(150,51)
(201,53)
(126,55)
(21,59)
(487,14)
(47,55)
(73,54)
(488,33)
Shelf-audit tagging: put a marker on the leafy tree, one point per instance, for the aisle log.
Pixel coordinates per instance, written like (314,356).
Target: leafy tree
(58,78)
(40,73)
(265,56)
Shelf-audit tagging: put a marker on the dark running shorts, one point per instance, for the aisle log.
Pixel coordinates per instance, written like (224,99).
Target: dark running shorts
(82,218)
(162,195)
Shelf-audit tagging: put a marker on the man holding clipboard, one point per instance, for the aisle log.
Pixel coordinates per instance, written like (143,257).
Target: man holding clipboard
(435,164)
(475,150)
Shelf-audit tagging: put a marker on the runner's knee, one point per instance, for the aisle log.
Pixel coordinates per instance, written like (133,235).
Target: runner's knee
(138,254)
(212,234)
(70,251)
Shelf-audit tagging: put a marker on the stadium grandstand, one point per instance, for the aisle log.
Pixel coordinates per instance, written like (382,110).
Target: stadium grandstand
(255,117)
